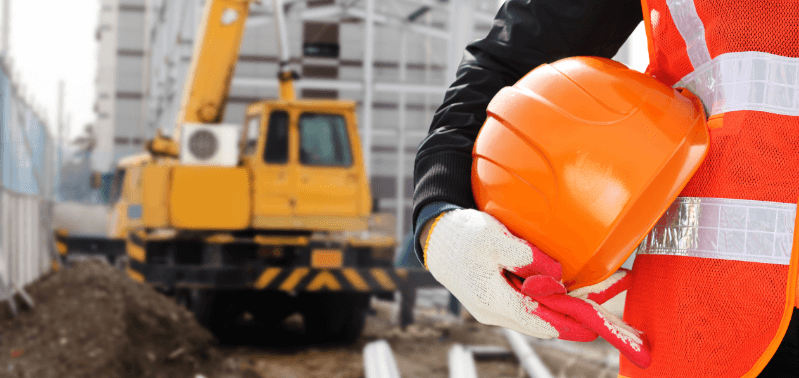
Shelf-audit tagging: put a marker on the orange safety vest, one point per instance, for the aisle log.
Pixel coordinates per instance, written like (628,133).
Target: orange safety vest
(715,280)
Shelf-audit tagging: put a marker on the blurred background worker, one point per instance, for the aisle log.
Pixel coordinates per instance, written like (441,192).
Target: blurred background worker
(716,297)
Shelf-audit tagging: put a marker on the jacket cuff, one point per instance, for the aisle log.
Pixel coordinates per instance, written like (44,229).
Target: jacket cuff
(443,177)
(431,211)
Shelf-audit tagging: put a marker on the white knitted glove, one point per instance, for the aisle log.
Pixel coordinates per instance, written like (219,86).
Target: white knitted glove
(484,266)
(505,281)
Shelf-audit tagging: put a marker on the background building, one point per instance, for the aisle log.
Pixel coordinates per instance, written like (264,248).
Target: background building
(395,58)
(120,124)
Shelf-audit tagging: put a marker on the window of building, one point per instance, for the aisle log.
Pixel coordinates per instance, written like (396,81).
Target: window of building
(320,39)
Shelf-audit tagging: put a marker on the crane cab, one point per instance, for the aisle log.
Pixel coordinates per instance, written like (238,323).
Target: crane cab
(306,165)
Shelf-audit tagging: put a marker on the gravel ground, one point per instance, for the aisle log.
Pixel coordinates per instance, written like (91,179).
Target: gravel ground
(92,321)
(421,350)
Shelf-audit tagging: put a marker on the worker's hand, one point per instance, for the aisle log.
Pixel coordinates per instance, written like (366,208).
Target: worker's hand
(484,266)
(583,305)
(503,280)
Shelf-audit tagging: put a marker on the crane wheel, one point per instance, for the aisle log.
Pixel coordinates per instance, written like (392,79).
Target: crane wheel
(335,317)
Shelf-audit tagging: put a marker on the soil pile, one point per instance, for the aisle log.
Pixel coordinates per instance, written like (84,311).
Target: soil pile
(91,320)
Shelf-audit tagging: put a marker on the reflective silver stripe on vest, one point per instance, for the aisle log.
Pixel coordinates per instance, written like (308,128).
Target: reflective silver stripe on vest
(726,229)
(683,13)
(748,80)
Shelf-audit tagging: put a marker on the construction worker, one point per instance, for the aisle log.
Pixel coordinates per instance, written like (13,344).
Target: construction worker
(722,310)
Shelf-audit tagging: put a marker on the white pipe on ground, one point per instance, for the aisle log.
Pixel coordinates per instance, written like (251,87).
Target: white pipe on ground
(461,363)
(530,361)
(378,361)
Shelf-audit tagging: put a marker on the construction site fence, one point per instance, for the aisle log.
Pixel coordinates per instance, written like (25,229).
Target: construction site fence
(28,161)
(26,239)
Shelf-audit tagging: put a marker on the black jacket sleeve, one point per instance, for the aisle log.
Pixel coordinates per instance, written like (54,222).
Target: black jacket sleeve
(525,34)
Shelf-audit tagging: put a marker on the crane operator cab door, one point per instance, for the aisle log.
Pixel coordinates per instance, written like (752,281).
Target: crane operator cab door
(269,159)
(329,186)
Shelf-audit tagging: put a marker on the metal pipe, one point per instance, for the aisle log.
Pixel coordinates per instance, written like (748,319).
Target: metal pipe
(368,81)
(6,26)
(530,361)
(343,85)
(400,177)
(461,27)
(605,358)
(398,21)
(461,363)
(378,361)
(282,32)
(489,351)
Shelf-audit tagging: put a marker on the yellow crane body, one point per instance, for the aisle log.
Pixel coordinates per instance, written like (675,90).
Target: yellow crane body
(216,52)
(280,222)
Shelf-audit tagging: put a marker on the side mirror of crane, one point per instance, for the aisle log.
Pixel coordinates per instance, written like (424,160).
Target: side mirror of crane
(96,180)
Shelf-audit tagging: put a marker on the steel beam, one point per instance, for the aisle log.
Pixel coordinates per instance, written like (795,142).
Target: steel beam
(410,88)
(305,83)
(489,351)
(609,358)
(530,361)
(399,22)
(400,177)
(461,363)
(378,361)
(461,26)
(282,32)
(368,81)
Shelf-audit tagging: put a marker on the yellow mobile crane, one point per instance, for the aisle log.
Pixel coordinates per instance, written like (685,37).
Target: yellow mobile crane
(269,218)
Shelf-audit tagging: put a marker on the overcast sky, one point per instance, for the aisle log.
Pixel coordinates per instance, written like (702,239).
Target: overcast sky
(53,40)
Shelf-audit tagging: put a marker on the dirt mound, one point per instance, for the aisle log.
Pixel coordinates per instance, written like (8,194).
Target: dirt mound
(91,320)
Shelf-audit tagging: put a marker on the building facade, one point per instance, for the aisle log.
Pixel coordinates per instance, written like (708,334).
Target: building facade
(119,82)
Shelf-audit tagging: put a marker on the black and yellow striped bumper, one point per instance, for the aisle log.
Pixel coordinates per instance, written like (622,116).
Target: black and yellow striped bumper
(286,279)
(67,245)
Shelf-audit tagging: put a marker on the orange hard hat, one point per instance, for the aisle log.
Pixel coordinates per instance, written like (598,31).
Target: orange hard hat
(582,156)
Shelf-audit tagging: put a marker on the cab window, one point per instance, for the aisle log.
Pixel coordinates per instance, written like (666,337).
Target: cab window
(116,187)
(323,140)
(253,129)
(277,138)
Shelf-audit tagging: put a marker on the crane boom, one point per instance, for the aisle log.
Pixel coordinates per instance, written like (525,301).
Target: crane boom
(216,51)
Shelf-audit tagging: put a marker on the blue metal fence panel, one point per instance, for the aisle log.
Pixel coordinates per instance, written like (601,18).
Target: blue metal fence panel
(25,143)
(4,130)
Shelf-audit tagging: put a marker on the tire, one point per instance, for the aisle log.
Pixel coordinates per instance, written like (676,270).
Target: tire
(221,312)
(335,317)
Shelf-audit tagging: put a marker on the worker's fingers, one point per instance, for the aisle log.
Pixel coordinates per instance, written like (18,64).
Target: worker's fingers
(527,316)
(537,286)
(536,261)
(600,293)
(567,327)
(630,342)
(542,264)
